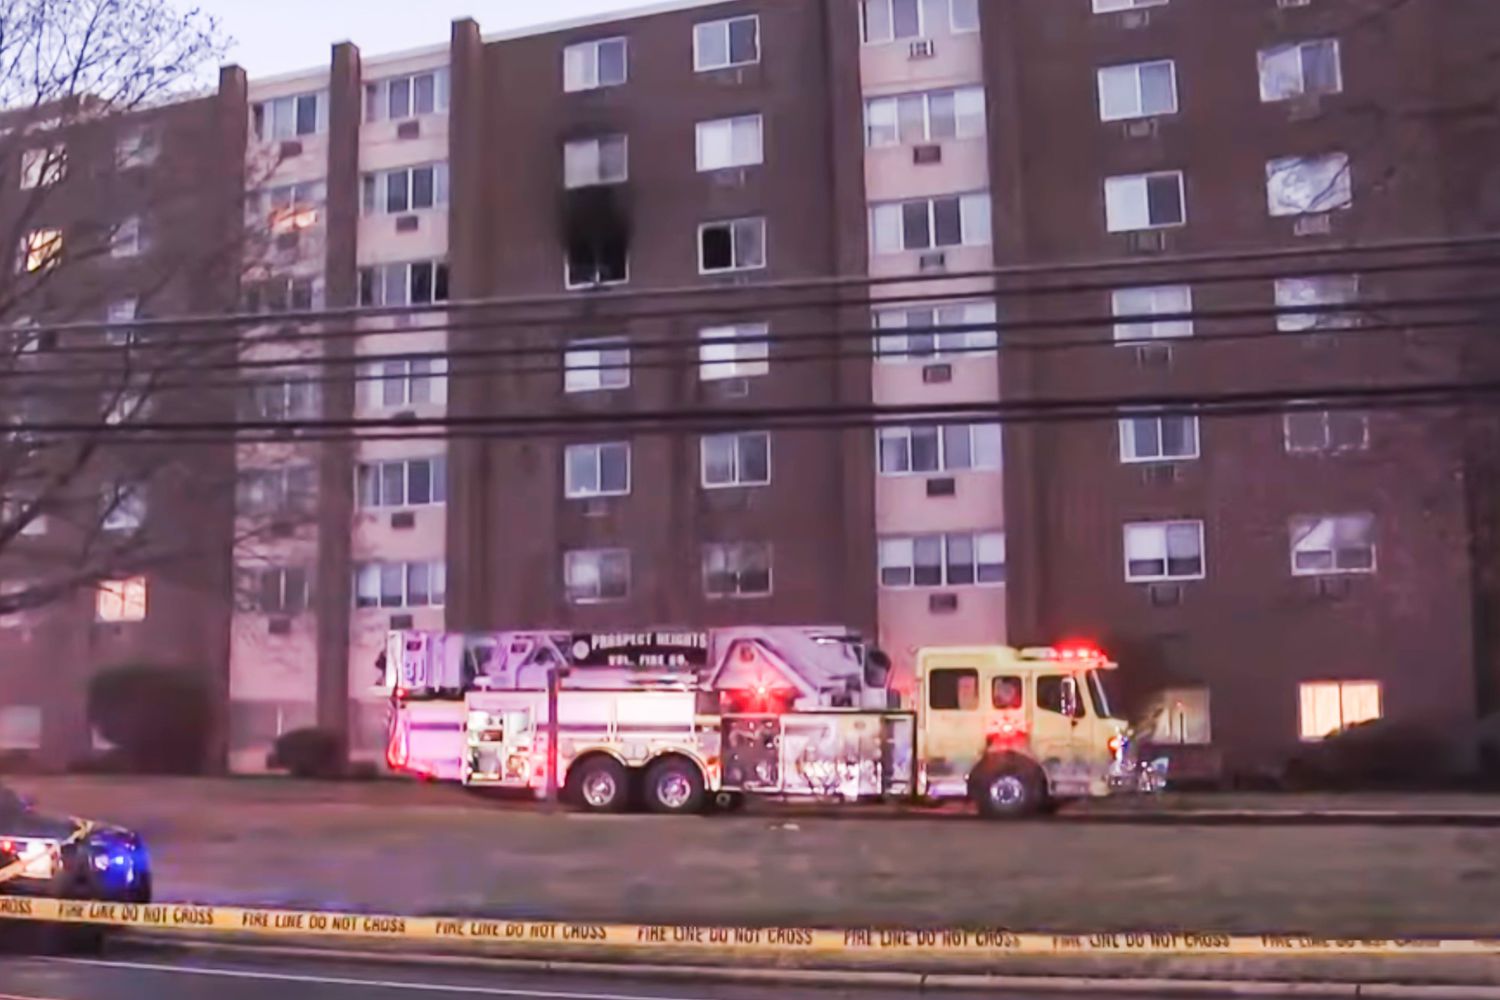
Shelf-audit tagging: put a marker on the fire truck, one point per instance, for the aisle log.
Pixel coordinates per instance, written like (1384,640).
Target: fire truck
(676,719)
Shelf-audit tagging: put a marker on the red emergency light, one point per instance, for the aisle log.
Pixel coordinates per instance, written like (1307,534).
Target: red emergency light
(1079,651)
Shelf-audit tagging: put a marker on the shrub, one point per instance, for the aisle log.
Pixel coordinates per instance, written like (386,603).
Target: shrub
(308,753)
(1383,755)
(158,718)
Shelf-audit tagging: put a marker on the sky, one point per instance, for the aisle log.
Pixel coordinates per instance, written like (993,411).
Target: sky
(279,36)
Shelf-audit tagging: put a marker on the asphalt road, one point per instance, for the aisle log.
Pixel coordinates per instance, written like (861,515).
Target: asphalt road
(158,976)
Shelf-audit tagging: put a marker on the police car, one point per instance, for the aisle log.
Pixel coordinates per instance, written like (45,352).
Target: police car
(69,858)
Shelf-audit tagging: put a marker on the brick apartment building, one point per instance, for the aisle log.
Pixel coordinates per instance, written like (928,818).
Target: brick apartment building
(1264,578)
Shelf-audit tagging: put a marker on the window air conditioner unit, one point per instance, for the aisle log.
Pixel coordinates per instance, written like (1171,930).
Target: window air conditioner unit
(923,48)
(1153,355)
(942,604)
(1331,588)
(1165,595)
(596,507)
(945,486)
(279,626)
(404,520)
(927,263)
(1160,474)
(290,148)
(1293,3)
(928,152)
(408,224)
(1140,128)
(937,374)
(1313,225)
(734,388)
(1148,241)
(1135,19)
(400,622)
(409,130)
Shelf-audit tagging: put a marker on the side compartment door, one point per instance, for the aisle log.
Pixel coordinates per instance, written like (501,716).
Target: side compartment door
(953,728)
(1059,733)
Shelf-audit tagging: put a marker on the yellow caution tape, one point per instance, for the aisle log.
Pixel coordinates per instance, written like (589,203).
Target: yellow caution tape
(848,943)
(14,870)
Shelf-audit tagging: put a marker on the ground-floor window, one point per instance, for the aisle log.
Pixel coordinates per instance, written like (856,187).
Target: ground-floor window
(1181,716)
(20,727)
(1329,706)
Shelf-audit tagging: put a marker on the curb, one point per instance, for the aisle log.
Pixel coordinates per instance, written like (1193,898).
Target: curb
(921,982)
(1287,817)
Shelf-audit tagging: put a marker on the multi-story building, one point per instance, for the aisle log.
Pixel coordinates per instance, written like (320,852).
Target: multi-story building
(677,257)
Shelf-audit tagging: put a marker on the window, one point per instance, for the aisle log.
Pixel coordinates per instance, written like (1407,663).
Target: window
(400,585)
(397,383)
(1111,6)
(599,160)
(1308,185)
(410,189)
(1325,431)
(1300,69)
(1158,438)
(123,405)
(929,332)
(1008,693)
(123,508)
(407,96)
(1164,550)
(1341,544)
(594,576)
(1139,90)
(120,315)
(418,283)
(929,449)
(722,44)
(730,142)
(283,399)
(1327,290)
(20,725)
(41,250)
(927,117)
(279,590)
(735,245)
(290,117)
(287,208)
(1144,201)
(603,261)
(279,491)
(1329,706)
(283,293)
(953,690)
(411,482)
(733,351)
(1161,300)
(1060,695)
(126,240)
(597,470)
(136,147)
(43,167)
(929,223)
(955,560)
(892,20)
(740,569)
(121,600)
(592,65)
(596,365)
(731,460)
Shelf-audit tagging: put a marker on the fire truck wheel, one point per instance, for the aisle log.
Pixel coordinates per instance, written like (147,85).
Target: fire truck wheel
(1007,790)
(601,784)
(674,785)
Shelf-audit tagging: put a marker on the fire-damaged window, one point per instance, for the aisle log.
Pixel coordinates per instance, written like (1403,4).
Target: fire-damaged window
(738,569)
(953,690)
(596,236)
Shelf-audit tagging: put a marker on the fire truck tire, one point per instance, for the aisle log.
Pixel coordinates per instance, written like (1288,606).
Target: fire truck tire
(674,785)
(600,784)
(1008,788)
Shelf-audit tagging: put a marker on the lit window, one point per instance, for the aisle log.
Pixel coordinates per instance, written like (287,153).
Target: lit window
(1161,300)
(1326,431)
(730,142)
(1144,201)
(43,167)
(740,569)
(411,482)
(1326,290)
(924,450)
(418,283)
(1328,707)
(931,223)
(404,382)
(596,470)
(723,44)
(121,600)
(127,240)
(1309,185)
(592,65)
(1300,69)
(1140,90)
(288,207)
(290,117)
(41,250)
(734,351)
(1158,439)
(596,365)
(731,460)
(735,245)
(407,96)
(953,560)
(1327,545)
(599,160)
(1164,550)
(400,585)
(933,116)
(594,576)
(410,189)
(929,332)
